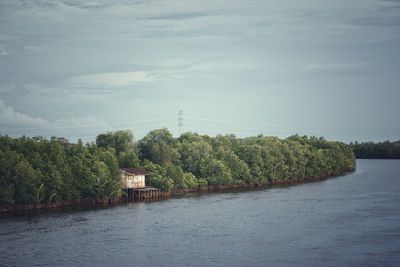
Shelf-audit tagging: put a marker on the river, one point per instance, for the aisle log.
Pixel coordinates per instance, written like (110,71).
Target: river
(347,220)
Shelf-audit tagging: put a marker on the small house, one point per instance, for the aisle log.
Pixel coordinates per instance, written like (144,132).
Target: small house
(133,178)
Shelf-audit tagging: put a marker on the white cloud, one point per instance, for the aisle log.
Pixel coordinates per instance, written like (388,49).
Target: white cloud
(3,51)
(90,5)
(8,116)
(112,79)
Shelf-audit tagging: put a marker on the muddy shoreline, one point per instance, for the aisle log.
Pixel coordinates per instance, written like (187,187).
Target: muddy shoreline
(88,202)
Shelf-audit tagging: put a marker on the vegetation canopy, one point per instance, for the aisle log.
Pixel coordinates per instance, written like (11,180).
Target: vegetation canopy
(37,170)
(382,150)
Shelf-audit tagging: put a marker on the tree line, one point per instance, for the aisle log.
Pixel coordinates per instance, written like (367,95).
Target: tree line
(38,170)
(381,150)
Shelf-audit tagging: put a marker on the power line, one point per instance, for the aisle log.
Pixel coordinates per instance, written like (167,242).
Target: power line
(82,126)
(283,125)
(99,129)
(192,122)
(194,118)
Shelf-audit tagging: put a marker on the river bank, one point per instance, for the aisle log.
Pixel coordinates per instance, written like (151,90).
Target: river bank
(90,202)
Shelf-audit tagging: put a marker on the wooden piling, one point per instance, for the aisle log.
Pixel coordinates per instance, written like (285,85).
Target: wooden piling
(143,193)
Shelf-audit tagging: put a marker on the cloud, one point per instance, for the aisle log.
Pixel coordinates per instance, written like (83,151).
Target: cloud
(112,79)
(34,49)
(219,66)
(7,38)
(3,51)
(90,5)
(326,21)
(10,117)
(333,67)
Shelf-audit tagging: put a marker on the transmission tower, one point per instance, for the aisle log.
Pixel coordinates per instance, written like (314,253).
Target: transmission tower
(180,122)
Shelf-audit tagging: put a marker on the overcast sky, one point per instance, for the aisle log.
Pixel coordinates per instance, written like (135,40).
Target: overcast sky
(314,67)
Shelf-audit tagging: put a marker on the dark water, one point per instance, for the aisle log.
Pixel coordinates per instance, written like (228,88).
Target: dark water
(349,220)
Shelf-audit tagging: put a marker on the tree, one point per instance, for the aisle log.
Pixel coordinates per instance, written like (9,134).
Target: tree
(158,147)
(121,141)
(37,170)
(192,153)
(215,172)
(128,159)
(24,182)
(239,169)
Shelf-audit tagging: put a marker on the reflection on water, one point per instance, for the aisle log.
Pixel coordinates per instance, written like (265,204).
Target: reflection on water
(349,220)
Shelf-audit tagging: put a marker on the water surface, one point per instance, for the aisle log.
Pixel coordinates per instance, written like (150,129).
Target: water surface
(348,220)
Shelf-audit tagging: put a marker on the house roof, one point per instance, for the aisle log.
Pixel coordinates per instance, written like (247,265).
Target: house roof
(135,171)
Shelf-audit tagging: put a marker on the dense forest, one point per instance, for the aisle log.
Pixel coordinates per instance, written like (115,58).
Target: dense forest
(37,170)
(382,150)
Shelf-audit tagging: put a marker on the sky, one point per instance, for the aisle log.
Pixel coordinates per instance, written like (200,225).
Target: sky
(75,69)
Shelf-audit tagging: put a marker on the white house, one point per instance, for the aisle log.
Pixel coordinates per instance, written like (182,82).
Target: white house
(133,178)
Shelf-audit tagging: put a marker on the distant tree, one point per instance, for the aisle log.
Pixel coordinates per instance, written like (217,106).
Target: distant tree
(24,182)
(215,172)
(381,150)
(192,153)
(128,159)
(121,141)
(158,147)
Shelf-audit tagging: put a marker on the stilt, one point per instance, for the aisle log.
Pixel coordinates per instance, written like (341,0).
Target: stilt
(143,193)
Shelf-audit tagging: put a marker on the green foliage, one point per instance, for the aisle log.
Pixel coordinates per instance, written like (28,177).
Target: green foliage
(158,147)
(36,170)
(102,184)
(215,172)
(382,150)
(128,159)
(192,153)
(121,141)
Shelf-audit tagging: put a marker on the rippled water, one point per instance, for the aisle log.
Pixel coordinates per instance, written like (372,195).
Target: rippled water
(349,220)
